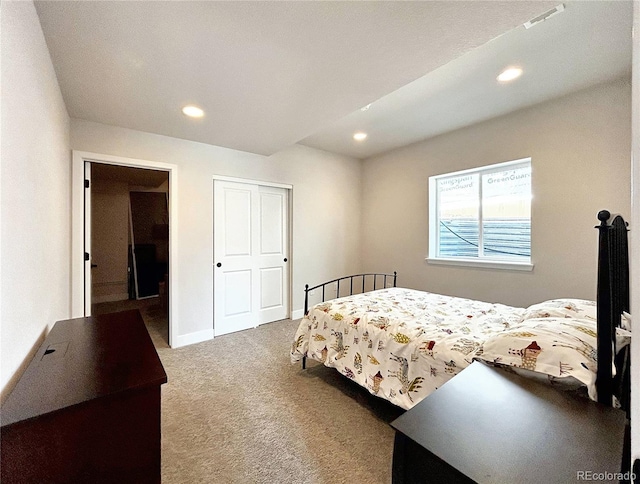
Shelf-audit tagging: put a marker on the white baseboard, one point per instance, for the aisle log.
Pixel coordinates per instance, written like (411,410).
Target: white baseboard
(207,334)
(192,338)
(109,298)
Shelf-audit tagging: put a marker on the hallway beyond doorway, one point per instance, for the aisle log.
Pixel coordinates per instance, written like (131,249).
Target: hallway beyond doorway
(154,316)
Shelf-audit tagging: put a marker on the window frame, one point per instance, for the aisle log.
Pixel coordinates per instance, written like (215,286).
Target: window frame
(480,261)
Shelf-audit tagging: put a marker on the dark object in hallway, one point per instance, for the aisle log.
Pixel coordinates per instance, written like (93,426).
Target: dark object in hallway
(147,270)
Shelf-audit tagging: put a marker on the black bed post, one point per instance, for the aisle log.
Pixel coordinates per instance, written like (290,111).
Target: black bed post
(306,299)
(619,293)
(306,309)
(605,330)
(613,299)
(395,276)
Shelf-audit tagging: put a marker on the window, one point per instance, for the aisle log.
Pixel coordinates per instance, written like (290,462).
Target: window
(482,216)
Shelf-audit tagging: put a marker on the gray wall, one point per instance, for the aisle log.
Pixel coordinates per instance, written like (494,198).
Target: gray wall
(35,192)
(326,208)
(109,240)
(580,150)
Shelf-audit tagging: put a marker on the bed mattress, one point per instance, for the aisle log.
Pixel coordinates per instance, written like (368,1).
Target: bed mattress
(400,344)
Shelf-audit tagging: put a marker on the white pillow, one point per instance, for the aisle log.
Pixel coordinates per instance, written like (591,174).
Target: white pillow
(558,347)
(562,308)
(626,321)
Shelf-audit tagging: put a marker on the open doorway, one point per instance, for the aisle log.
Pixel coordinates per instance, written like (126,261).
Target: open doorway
(130,244)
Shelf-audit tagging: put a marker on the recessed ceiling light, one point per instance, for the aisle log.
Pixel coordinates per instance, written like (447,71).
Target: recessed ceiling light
(193,111)
(359,136)
(509,74)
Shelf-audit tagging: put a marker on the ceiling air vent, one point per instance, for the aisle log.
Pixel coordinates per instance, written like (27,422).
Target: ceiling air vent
(544,16)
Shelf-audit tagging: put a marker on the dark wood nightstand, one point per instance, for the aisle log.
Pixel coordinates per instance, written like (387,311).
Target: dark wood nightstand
(488,425)
(87,408)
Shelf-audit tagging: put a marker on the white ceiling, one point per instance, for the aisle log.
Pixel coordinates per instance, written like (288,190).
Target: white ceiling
(587,44)
(270,74)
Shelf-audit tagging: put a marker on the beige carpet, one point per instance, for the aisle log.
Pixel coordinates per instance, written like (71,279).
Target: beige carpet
(236,411)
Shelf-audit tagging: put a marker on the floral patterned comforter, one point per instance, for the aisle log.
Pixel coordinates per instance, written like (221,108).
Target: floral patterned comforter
(401,344)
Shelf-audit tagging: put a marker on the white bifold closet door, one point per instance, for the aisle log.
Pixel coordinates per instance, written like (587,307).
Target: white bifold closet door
(250,237)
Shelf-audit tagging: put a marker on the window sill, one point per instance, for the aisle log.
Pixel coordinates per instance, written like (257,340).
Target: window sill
(485,264)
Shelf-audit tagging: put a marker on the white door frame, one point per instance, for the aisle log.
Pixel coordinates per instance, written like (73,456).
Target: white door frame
(290,263)
(87,240)
(77,229)
(635,235)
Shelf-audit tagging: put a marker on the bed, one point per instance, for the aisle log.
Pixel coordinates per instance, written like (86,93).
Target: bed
(402,344)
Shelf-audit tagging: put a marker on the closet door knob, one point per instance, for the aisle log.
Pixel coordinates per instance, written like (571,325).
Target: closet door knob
(285,259)
(219,264)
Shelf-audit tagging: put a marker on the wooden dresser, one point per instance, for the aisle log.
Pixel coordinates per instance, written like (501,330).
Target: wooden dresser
(491,426)
(87,408)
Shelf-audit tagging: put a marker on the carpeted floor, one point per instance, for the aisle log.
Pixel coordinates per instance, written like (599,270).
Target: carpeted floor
(235,410)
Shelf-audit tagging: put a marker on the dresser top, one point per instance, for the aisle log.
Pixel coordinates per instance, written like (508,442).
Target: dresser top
(495,426)
(83,359)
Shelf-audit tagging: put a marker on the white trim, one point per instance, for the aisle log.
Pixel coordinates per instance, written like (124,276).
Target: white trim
(77,235)
(253,182)
(193,338)
(297,314)
(88,276)
(433,215)
(77,229)
(290,242)
(635,234)
(485,264)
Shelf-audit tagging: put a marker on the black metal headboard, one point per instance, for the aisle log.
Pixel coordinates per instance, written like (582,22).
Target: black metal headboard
(374,276)
(613,299)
